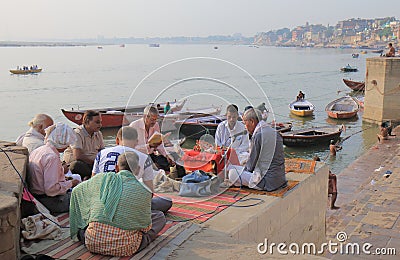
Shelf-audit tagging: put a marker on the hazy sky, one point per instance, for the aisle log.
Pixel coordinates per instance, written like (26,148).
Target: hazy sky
(69,19)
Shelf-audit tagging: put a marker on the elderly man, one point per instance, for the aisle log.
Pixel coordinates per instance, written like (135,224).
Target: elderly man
(115,210)
(232,133)
(265,169)
(34,137)
(146,127)
(46,178)
(80,156)
(106,161)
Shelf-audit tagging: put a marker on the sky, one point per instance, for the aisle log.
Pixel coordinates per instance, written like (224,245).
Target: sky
(27,20)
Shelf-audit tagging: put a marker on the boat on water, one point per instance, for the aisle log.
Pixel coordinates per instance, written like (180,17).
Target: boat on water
(194,128)
(341,108)
(355,55)
(349,68)
(312,136)
(118,116)
(355,85)
(28,71)
(360,101)
(302,107)
(377,51)
(154,45)
(363,52)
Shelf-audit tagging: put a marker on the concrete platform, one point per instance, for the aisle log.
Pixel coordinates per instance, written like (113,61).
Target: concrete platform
(235,233)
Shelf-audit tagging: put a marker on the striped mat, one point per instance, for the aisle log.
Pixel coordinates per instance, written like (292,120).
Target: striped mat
(278,193)
(199,210)
(68,249)
(183,209)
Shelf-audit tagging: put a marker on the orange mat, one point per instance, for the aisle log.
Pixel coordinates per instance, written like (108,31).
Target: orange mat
(299,165)
(278,193)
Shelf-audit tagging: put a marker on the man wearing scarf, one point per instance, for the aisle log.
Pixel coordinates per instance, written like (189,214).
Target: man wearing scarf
(265,169)
(46,177)
(115,210)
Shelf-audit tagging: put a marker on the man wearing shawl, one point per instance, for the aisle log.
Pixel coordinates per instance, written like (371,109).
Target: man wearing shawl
(46,177)
(115,210)
(265,169)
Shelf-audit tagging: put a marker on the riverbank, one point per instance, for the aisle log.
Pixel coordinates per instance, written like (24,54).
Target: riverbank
(369,213)
(369,200)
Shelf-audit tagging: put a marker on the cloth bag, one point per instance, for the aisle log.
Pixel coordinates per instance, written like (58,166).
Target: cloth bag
(198,184)
(39,227)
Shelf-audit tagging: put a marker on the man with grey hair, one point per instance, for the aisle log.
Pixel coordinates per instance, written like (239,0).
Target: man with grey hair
(34,137)
(265,169)
(146,127)
(111,213)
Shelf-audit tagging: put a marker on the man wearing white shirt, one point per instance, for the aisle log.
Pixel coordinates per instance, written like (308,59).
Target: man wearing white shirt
(232,133)
(34,137)
(127,139)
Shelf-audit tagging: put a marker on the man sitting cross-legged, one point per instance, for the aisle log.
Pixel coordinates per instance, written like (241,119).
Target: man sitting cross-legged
(106,161)
(111,212)
(265,169)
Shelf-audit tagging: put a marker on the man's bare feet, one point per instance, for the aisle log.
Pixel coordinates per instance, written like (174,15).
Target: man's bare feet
(225,184)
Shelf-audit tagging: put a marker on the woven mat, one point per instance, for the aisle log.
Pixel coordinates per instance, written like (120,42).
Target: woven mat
(68,249)
(278,193)
(299,165)
(183,209)
(196,209)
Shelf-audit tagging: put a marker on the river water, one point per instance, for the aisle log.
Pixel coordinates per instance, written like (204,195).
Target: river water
(89,77)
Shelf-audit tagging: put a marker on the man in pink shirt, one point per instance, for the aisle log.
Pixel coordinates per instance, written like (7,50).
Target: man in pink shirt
(46,177)
(146,127)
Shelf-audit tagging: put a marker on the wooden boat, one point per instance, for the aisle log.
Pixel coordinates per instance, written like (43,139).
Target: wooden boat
(26,71)
(117,116)
(312,136)
(301,107)
(360,101)
(377,51)
(355,55)
(349,68)
(355,85)
(344,107)
(194,128)
(363,52)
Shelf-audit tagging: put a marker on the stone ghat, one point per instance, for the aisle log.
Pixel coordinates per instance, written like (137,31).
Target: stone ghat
(10,197)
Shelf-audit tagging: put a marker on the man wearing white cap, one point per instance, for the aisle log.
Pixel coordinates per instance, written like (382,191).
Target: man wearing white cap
(46,177)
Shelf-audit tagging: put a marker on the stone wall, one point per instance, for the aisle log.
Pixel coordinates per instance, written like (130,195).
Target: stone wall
(382,90)
(298,217)
(10,198)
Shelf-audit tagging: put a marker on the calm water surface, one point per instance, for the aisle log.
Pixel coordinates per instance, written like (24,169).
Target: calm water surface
(87,77)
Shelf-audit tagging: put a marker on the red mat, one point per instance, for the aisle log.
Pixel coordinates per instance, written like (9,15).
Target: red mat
(197,209)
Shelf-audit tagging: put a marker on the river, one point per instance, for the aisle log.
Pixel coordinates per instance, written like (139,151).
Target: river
(90,77)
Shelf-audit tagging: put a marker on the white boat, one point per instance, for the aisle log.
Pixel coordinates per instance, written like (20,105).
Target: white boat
(301,107)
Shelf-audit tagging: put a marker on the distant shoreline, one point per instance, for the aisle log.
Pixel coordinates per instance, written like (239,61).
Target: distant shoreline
(84,44)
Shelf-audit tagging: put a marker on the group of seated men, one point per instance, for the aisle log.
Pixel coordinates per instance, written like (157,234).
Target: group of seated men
(111,205)
(139,219)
